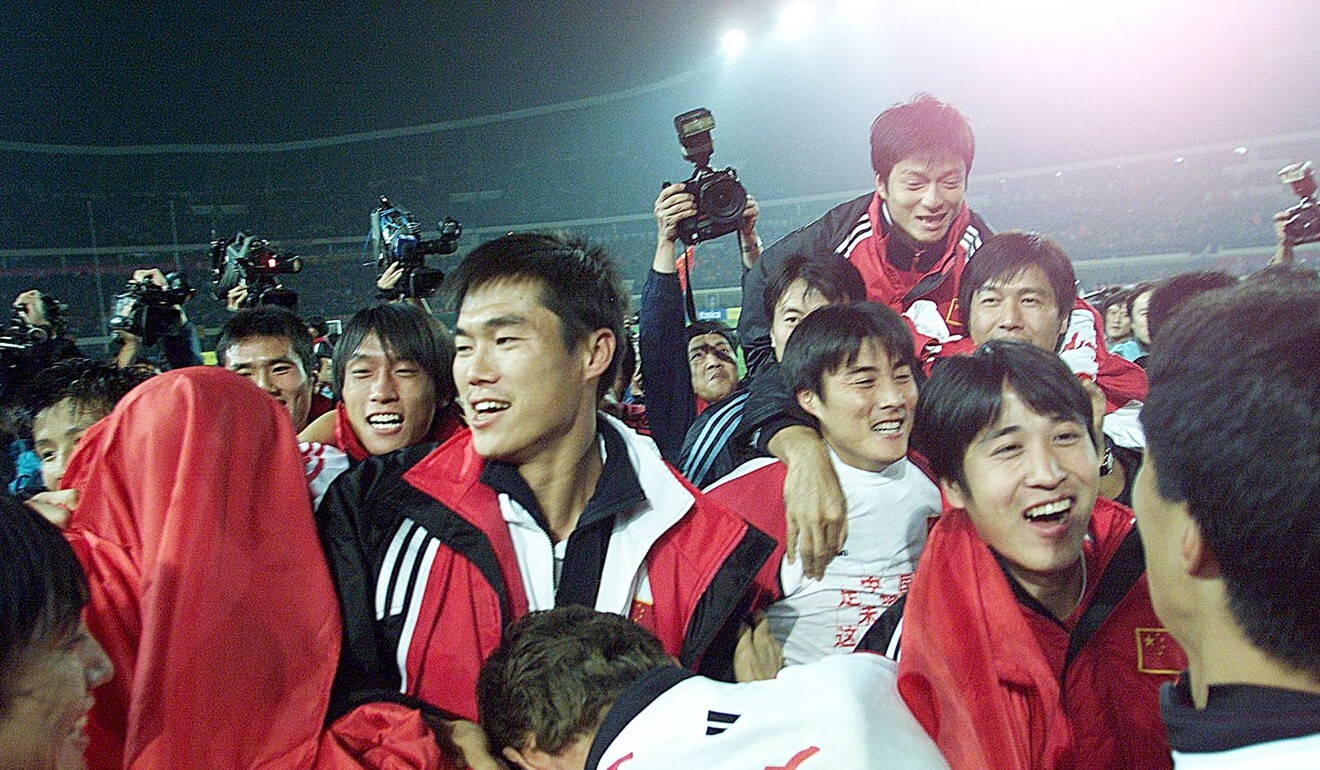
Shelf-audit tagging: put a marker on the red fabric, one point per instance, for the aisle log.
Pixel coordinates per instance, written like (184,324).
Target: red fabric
(888,285)
(209,590)
(444,425)
(387,736)
(459,622)
(989,693)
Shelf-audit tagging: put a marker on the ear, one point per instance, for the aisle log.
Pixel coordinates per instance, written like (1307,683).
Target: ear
(881,187)
(518,759)
(1196,557)
(599,351)
(809,402)
(954,493)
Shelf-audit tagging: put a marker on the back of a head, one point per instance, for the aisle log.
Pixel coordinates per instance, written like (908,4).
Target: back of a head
(267,321)
(1168,299)
(835,279)
(964,396)
(578,283)
(556,672)
(1006,255)
(409,334)
(921,127)
(43,591)
(1232,426)
(831,339)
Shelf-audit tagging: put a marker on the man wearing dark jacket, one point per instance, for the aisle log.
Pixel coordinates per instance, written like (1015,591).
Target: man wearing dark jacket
(541,502)
(909,240)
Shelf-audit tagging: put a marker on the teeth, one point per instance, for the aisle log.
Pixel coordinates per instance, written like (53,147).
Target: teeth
(490,406)
(385,420)
(1048,509)
(888,426)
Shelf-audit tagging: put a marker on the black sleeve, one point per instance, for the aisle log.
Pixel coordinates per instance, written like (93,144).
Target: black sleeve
(666,378)
(351,520)
(770,408)
(182,349)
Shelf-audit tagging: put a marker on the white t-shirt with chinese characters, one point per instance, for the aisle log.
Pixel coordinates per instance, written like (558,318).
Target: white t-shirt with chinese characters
(889,514)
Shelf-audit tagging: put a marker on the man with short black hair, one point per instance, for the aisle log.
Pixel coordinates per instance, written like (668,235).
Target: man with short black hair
(572,689)
(1028,639)
(909,239)
(1228,503)
(271,346)
(541,502)
(1138,305)
(851,367)
(712,360)
(65,400)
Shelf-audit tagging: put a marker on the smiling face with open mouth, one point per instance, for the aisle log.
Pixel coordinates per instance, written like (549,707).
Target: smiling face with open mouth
(390,401)
(865,408)
(523,391)
(924,195)
(1030,486)
(49,694)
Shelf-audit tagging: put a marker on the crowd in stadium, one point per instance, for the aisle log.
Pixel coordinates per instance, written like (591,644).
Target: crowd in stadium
(926,506)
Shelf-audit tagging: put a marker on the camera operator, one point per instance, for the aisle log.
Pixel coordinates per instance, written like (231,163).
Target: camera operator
(1298,224)
(180,347)
(665,346)
(33,340)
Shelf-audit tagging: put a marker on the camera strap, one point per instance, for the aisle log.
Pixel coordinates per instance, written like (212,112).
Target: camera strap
(689,300)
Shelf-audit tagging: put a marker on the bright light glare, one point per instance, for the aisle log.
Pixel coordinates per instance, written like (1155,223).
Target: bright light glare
(797,16)
(733,42)
(1240,150)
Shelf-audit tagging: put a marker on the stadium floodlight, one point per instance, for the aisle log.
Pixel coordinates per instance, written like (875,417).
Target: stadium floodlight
(733,42)
(797,16)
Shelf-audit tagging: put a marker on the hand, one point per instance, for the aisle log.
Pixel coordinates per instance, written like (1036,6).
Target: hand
(1098,407)
(1284,252)
(56,506)
(390,278)
(236,297)
(29,306)
(813,500)
(671,207)
(751,212)
(465,744)
(152,275)
(758,654)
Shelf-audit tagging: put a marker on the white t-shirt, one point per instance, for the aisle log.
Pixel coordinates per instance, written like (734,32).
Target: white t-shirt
(888,517)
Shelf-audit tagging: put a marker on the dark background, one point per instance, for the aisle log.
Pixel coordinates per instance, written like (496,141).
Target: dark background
(132,132)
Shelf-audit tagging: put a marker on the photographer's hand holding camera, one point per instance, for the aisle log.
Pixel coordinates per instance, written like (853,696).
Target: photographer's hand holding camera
(675,205)
(150,311)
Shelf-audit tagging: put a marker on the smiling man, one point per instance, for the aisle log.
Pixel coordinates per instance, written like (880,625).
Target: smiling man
(541,502)
(271,347)
(1028,639)
(852,369)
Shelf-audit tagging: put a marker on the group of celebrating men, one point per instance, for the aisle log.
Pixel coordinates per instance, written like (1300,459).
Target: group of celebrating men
(928,468)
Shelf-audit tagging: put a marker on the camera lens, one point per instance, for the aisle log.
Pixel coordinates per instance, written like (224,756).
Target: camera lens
(723,198)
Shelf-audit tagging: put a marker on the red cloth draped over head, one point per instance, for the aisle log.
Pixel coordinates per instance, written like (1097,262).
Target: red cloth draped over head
(209,589)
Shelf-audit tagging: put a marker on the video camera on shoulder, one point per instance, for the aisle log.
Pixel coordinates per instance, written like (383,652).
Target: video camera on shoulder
(18,334)
(397,237)
(150,311)
(720,198)
(247,259)
(1303,225)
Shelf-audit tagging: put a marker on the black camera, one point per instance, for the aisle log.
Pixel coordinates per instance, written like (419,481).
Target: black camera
(149,311)
(720,198)
(249,260)
(1303,225)
(18,334)
(397,237)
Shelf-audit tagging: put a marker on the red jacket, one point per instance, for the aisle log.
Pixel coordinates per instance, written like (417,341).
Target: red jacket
(209,590)
(428,635)
(994,682)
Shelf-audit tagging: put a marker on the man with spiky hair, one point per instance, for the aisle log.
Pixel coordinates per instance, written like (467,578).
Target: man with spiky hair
(541,501)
